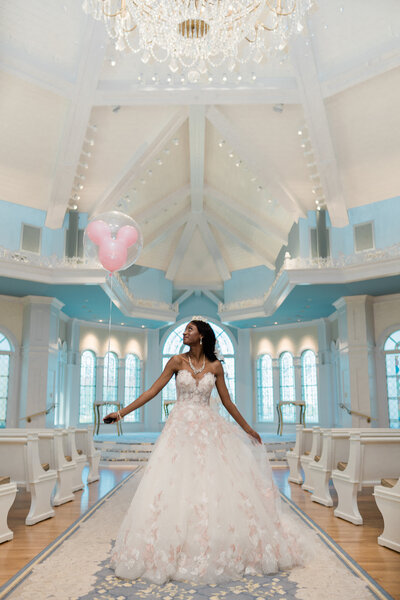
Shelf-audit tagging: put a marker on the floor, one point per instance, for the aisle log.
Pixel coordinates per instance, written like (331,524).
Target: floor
(358,541)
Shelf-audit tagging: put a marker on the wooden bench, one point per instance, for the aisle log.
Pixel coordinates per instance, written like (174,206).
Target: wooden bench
(303,444)
(387,498)
(78,456)
(8,491)
(21,455)
(373,454)
(308,456)
(51,453)
(335,448)
(84,441)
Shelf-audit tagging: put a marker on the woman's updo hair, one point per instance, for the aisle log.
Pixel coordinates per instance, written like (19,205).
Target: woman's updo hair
(208,339)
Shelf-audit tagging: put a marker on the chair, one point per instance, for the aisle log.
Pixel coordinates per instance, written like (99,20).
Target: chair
(280,416)
(97,417)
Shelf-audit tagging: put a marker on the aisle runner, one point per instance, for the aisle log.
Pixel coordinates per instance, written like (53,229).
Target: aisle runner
(78,569)
(139,452)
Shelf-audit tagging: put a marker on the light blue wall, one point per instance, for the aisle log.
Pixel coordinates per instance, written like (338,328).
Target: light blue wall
(248,283)
(13,216)
(385,216)
(151,284)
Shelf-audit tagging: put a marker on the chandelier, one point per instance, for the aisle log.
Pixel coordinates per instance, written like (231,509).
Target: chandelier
(200,34)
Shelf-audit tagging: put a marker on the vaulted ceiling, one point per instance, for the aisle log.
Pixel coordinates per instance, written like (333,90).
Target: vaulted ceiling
(216,172)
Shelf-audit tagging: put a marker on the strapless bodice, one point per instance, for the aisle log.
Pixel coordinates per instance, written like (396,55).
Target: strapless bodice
(194,390)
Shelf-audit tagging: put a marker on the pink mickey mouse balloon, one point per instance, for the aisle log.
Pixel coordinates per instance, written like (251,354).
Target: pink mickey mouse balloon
(114,239)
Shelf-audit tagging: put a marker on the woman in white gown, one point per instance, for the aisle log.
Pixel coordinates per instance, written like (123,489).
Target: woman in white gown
(206,509)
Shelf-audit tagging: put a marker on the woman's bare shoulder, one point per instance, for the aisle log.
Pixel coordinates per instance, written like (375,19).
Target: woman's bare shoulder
(216,367)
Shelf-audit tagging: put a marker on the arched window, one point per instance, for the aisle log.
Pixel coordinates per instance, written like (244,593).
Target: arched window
(265,389)
(110,380)
(392,359)
(287,389)
(174,345)
(87,386)
(309,385)
(132,385)
(5,353)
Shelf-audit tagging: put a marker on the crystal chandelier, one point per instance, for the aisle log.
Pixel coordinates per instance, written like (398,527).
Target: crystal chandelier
(200,34)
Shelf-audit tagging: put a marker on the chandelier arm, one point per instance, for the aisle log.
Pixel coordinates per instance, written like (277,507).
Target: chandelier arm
(118,13)
(268,28)
(278,10)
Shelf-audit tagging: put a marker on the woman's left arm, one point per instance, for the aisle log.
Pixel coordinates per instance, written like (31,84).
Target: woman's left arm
(230,406)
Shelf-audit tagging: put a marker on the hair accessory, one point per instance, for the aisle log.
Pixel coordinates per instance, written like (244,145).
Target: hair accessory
(199,318)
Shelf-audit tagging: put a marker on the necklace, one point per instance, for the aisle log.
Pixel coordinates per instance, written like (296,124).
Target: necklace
(197,371)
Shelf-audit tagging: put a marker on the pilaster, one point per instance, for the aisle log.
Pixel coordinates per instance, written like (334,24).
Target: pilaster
(357,364)
(39,358)
(244,380)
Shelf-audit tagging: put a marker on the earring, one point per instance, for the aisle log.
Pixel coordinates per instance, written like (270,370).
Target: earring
(201,341)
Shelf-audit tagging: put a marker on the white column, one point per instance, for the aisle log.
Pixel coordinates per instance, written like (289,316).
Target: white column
(73,374)
(244,377)
(357,364)
(153,366)
(325,384)
(39,358)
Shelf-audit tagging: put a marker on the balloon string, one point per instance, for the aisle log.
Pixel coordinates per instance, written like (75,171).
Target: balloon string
(109,340)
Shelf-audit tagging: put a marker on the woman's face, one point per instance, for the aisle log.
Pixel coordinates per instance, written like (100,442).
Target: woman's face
(191,335)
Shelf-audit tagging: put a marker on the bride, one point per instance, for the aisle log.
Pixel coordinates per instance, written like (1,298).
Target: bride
(206,509)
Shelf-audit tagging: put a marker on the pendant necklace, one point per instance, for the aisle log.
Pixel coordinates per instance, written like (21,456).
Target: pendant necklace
(197,371)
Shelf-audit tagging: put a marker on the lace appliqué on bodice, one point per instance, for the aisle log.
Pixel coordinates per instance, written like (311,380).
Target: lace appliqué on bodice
(191,389)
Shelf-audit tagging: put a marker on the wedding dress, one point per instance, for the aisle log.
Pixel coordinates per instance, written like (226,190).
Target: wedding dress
(206,509)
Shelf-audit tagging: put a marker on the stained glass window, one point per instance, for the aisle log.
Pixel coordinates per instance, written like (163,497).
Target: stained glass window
(265,389)
(287,386)
(392,359)
(5,352)
(309,385)
(87,386)
(132,385)
(110,381)
(174,345)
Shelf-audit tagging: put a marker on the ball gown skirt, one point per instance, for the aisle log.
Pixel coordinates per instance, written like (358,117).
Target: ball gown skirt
(206,509)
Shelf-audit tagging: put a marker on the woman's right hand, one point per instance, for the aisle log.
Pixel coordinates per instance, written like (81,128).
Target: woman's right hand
(111,418)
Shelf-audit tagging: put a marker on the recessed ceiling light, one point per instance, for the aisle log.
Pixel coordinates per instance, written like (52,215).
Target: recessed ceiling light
(100,320)
(142,326)
(276,323)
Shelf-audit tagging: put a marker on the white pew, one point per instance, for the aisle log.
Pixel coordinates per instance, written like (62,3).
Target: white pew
(335,448)
(387,499)
(303,444)
(307,457)
(373,454)
(51,451)
(21,455)
(78,457)
(84,441)
(8,491)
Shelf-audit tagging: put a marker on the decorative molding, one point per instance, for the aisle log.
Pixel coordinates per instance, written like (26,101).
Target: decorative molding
(132,306)
(49,269)
(370,264)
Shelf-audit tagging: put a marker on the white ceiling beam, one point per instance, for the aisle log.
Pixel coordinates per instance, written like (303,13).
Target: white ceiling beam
(197,134)
(189,292)
(181,248)
(215,252)
(143,155)
(165,230)
(303,60)
(236,237)
(270,229)
(46,80)
(212,297)
(245,149)
(154,209)
(376,61)
(273,90)
(75,126)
